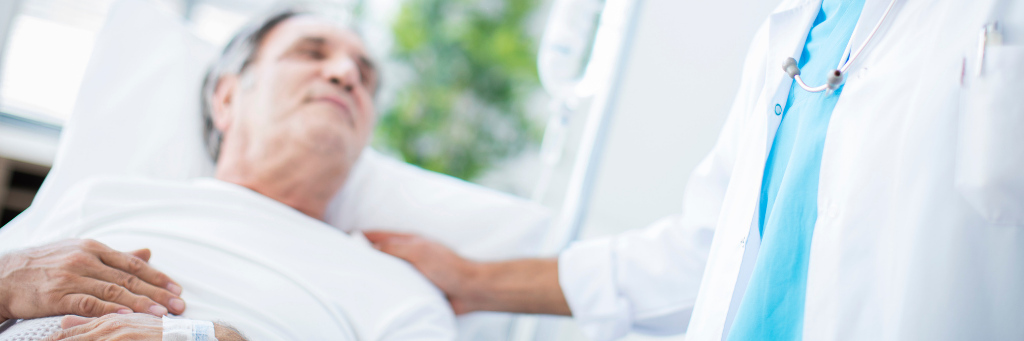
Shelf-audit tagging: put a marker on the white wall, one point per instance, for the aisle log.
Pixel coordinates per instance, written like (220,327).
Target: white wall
(682,76)
(679,85)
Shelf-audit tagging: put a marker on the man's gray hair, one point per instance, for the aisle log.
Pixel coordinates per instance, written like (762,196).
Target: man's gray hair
(240,52)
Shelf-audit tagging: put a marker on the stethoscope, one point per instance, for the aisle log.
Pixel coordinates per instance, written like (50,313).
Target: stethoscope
(836,77)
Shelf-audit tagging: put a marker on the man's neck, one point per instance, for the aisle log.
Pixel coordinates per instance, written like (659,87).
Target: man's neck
(303,181)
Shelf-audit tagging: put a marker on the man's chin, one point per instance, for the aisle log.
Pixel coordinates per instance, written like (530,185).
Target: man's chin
(327,140)
(320,132)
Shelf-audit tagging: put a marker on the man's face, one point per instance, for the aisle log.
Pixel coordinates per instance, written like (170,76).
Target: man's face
(309,91)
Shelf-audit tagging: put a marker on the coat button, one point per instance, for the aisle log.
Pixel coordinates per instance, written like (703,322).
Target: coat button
(778,109)
(743,241)
(833,211)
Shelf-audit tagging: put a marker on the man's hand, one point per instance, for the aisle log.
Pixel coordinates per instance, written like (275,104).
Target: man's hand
(83,277)
(115,327)
(521,286)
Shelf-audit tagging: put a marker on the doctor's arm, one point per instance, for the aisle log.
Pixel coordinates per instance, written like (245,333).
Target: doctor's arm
(522,286)
(642,280)
(605,280)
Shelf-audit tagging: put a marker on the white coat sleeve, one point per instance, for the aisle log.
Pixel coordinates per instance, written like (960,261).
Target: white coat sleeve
(646,280)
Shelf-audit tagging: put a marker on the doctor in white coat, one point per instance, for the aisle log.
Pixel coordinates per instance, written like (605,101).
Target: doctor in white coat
(919,225)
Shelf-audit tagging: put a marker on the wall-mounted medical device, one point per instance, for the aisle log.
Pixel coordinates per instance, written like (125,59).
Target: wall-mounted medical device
(583,54)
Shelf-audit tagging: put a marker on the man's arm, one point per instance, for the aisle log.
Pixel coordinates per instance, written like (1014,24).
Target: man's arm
(83,277)
(225,332)
(139,327)
(522,286)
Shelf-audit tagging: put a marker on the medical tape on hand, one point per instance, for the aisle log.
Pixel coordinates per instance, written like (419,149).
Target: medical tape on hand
(180,329)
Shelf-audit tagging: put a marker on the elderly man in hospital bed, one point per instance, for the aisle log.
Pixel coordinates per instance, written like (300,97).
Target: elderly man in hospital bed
(288,110)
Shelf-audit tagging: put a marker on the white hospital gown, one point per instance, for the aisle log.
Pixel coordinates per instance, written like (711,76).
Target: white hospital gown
(252,262)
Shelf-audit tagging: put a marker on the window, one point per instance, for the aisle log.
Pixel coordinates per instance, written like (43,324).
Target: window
(46,56)
(50,41)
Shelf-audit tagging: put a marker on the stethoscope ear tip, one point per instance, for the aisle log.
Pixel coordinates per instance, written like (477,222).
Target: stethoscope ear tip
(790,67)
(835,79)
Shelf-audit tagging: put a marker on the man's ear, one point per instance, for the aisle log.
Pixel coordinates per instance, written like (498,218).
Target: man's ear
(224,105)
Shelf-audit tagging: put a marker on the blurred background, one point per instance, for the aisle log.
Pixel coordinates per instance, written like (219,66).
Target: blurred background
(461,93)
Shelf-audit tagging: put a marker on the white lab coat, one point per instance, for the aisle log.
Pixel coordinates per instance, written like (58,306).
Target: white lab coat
(920,201)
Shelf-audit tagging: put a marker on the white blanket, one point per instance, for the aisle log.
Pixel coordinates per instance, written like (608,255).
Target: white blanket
(252,262)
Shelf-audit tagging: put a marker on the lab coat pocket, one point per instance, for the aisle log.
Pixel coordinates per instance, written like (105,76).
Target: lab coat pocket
(990,145)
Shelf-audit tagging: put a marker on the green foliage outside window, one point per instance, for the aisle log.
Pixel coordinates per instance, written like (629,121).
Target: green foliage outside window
(475,65)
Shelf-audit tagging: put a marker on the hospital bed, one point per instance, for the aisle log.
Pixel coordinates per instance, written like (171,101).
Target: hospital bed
(137,114)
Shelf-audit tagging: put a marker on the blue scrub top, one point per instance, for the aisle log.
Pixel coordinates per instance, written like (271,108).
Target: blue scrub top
(773,305)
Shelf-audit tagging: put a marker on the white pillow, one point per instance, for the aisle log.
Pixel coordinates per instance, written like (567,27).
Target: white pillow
(479,223)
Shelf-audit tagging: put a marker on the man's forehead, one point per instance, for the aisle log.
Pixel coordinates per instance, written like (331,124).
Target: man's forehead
(308,28)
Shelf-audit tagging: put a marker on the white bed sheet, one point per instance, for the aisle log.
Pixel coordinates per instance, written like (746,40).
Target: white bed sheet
(259,265)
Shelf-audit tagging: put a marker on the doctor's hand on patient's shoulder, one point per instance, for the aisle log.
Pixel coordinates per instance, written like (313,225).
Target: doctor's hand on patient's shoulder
(522,286)
(438,263)
(123,327)
(83,277)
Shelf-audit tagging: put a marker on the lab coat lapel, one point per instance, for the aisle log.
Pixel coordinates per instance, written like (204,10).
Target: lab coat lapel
(732,257)
(787,33)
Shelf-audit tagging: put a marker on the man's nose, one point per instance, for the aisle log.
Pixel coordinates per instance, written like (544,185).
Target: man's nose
(343,73)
